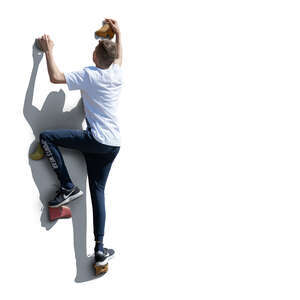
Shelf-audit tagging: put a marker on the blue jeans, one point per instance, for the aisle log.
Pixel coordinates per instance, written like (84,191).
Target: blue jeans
(98,157)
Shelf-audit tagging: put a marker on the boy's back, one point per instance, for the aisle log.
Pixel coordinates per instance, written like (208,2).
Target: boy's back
(100,90)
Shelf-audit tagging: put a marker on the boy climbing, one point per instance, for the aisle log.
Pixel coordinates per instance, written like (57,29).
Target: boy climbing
(100,87)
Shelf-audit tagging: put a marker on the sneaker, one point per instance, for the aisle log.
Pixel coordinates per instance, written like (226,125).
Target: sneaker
(64,196)
(102,257)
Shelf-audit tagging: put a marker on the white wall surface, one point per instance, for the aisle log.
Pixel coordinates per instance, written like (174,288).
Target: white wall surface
(203,198)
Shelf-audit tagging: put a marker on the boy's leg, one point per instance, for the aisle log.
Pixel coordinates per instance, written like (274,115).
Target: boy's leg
(51,139)
(98,167)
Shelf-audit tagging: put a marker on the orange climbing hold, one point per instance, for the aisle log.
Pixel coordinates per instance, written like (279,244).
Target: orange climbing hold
(105,31)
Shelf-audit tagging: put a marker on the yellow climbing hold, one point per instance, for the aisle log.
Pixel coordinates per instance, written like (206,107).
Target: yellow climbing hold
(38,153)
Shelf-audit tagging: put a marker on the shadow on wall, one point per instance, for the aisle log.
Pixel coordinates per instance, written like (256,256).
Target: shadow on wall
(52,116)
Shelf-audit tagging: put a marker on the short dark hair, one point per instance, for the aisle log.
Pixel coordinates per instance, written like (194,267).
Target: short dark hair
(106,52)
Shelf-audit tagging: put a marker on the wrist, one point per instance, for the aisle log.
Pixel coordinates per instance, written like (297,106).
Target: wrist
(49,52)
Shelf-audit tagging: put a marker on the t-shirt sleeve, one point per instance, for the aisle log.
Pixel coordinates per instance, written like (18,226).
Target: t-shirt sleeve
(76,80)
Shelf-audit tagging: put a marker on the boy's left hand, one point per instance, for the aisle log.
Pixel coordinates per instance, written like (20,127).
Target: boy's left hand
(46,43)
(113,25)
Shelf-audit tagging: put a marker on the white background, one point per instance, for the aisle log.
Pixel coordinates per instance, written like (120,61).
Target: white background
(203,198)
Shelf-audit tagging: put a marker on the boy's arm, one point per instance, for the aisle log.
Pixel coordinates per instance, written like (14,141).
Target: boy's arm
(55,75)
(118,60)
(115,27)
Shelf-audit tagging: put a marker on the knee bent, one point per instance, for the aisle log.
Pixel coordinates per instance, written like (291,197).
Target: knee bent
(43,135)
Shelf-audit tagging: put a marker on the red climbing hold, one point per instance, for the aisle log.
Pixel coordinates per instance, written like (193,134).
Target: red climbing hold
(59,212)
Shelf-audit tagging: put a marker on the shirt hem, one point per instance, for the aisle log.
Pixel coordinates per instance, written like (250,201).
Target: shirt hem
(105,143)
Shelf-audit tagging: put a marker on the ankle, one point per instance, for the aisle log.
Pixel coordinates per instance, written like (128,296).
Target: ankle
(98,246)
(68,186)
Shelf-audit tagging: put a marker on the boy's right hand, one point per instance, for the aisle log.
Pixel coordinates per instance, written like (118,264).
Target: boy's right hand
(114,25)
(45,43)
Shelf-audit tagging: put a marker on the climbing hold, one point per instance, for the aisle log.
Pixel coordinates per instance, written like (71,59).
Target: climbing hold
(38,153)
(37,44)
(100,270)
(61,212)
(105,31)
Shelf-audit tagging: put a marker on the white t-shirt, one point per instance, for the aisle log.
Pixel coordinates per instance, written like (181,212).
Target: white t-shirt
(100,90)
